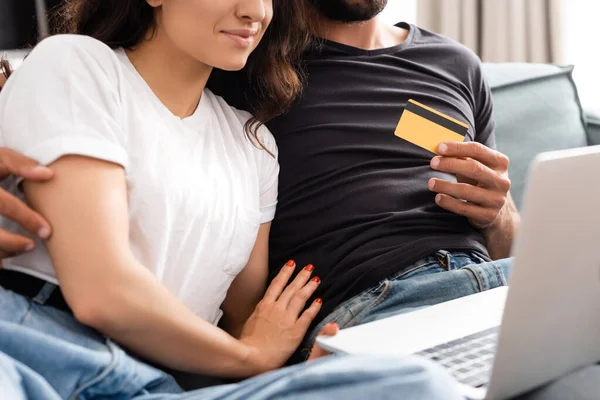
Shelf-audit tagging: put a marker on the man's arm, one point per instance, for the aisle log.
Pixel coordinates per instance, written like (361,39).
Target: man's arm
(499,236)
(481,192)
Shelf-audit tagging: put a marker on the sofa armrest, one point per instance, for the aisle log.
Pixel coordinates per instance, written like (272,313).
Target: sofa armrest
(593,127)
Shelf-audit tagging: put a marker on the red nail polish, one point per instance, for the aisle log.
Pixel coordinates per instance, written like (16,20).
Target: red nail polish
(290,263)
(319,300)
(310,268)
(316,279)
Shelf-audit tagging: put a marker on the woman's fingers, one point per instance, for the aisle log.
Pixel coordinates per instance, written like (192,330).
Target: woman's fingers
(308,316)
(299,299)
(297,284)
(279,283)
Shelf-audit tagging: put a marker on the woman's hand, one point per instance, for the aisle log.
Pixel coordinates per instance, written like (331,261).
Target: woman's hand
(278,325)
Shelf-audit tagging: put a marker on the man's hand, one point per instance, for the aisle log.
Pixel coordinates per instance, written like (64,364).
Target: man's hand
(12,163)
(482,191)
(317,351)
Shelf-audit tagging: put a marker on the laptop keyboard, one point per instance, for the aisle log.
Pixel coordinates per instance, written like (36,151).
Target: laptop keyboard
(468,359)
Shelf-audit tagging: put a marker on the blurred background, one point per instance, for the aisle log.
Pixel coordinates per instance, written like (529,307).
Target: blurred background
(539,31)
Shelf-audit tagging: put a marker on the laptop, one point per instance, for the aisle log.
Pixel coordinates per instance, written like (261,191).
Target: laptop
(546,324)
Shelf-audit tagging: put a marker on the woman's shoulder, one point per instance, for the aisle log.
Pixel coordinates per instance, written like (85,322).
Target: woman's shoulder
(70,52)
(68,43)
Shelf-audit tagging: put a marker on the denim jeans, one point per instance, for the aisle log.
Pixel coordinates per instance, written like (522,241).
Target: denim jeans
(442,277)
(45,354)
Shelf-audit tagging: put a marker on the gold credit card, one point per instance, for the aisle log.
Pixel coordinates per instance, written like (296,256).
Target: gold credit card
(427,128)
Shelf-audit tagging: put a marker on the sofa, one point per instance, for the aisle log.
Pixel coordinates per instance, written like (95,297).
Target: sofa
(537,109)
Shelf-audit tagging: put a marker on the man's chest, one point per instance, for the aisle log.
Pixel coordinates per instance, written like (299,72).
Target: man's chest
(370,98)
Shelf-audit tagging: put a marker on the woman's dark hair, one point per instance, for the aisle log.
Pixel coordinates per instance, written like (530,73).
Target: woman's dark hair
(273,71)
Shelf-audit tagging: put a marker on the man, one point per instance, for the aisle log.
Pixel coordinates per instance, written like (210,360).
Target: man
(388,226)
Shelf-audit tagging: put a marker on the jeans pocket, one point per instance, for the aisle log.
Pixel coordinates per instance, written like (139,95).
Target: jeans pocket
(477,258)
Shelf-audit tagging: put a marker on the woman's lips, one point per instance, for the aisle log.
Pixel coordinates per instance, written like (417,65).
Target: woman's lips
(241,37)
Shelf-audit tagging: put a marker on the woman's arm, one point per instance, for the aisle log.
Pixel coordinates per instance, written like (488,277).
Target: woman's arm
(86,203)
(248,288)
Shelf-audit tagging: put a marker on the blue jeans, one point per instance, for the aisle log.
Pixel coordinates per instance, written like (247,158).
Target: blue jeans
(442,277)
(45,354)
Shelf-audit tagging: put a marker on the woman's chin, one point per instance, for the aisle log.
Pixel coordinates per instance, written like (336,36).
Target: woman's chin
(232,64)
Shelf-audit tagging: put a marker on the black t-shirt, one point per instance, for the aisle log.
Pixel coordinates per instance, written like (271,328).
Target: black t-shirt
(353,197)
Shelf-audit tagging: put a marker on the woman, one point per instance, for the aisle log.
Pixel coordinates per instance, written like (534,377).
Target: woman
(160,207)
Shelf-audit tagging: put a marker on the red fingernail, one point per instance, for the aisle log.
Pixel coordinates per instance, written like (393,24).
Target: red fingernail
(309,268)
(333,324)
(290,263)
(319,300)
(316,279)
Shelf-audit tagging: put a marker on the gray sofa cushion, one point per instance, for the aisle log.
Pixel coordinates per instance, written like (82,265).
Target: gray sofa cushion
(537,109)
(593,127)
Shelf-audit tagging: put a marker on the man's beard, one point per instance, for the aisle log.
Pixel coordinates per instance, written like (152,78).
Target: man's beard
(349,10)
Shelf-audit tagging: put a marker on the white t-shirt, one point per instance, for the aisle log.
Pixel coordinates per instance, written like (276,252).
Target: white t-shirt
(197,187)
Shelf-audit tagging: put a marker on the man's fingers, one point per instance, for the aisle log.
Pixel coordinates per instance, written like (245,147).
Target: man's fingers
(477,151)
(309,315)
(15,210)
(471,169)
(13,163)
(470,193)
(301,296)
(331,329)
(11,243)
(317,351)
(297,284)
(3,255)
(481,216)
(279,282)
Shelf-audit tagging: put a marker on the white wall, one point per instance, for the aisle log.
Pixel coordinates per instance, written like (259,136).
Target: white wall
(400,11)
(580,48)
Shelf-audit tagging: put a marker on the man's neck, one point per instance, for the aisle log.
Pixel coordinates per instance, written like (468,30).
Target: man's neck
(176,78)
(369,35)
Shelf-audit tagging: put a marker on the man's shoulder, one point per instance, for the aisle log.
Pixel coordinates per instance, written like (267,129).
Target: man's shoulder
(446,52)
(444,44)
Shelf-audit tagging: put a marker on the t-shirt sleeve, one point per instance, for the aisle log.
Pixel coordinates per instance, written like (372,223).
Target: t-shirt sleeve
(269,176)
(485,124)
(64,100)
